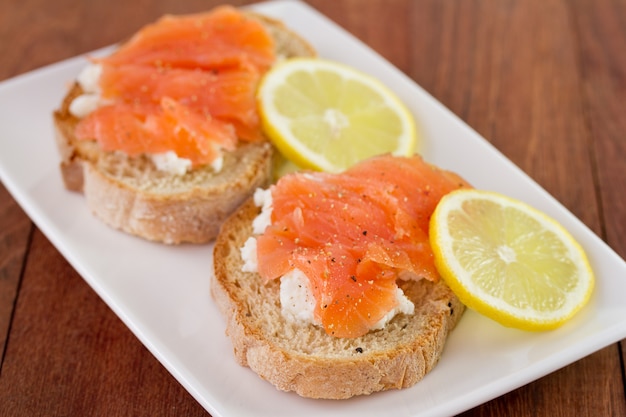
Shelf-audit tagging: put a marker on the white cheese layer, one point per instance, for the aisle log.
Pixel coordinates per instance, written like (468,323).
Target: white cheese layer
(296,299)
(90,99)
(84,104)
(89,78)
(248,254)
(171,163)
(262,198)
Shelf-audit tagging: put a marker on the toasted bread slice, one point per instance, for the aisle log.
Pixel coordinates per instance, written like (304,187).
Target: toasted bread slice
(303,358)
(130,194)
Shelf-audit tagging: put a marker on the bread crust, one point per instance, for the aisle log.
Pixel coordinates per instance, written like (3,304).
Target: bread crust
(303,358)
(131,195)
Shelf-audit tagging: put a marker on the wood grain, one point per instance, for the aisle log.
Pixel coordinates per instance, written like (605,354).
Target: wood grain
(15,229)
(515,79)
(69,354)
(543,81)
(601,29)
(381,25)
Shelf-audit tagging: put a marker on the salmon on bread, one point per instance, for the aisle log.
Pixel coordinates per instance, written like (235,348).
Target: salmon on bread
(371,313)
(163,135)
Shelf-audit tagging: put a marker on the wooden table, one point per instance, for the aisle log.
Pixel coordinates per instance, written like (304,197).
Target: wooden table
(544,81)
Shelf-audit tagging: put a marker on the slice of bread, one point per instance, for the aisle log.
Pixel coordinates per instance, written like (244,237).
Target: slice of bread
(130,194)
(303,358)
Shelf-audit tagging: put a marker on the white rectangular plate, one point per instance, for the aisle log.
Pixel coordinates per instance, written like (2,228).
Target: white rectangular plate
(162,292)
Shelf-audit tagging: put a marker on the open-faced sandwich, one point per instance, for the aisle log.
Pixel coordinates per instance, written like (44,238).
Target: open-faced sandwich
(328,283)
(163,135)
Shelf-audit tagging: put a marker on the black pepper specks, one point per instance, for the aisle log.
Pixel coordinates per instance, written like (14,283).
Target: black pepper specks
(359,350)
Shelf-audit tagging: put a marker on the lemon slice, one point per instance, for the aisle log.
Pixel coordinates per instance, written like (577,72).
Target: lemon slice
(509,261)
(327,116)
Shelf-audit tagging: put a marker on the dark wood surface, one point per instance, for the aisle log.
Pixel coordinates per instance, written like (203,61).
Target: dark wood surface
(544,81)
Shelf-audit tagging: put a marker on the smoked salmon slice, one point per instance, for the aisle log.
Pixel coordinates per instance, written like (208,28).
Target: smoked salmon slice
(221,38)
(169,125)
(185,84)
(353,235)
(226,95)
